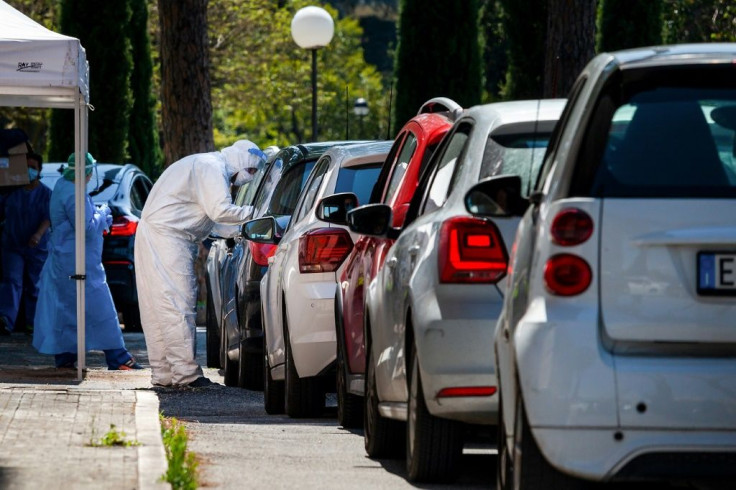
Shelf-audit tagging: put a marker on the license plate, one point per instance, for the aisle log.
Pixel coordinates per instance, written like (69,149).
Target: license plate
(717,273)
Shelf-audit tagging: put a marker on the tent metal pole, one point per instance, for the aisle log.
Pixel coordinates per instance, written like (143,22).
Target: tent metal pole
(80,145)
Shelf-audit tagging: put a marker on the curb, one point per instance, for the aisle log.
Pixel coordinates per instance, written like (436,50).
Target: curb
(151,454)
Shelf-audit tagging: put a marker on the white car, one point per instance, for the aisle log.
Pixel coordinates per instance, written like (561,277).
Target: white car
(615,348)
(298,291)
(431,309)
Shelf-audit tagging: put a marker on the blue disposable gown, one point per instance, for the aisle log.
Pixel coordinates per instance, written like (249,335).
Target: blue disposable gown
(24,211)
(55,329)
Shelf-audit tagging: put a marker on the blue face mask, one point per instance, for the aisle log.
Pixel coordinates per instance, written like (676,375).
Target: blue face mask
(32,174)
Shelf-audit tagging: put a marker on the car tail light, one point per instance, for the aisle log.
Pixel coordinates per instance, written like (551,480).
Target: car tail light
(323,250)
(571,226)
(471,251)
(261,252)
(467,391)
(123,226)
(567,275)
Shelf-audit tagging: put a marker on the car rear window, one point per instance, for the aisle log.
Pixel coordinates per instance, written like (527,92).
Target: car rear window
(515,154)
(358,180)
(663,140)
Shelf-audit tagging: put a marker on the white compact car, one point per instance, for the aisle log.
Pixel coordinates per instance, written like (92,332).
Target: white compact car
(615,349)
(431,309)
(298,291)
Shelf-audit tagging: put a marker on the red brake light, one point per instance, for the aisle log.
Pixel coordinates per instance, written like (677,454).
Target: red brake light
(467,391)
(261,252)
(323,250)
(123,226)
(567,275)
(471,251)
(571,226)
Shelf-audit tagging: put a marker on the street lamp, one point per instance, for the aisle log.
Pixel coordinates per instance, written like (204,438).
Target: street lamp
(312,28)
(360,109)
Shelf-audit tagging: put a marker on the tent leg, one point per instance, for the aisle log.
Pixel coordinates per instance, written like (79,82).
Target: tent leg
(80,149)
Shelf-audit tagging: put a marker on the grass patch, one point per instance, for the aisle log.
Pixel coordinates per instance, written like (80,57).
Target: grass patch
(113,437)
(182,471)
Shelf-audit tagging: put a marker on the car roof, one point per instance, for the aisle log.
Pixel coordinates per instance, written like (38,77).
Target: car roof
(675,54)
(511,115)
(360,154)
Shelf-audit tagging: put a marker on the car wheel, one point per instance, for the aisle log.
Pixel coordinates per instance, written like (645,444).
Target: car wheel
(251,369)
(304,396)
(530,469)
(383,438)
(273,391)
(132,318)
(213,333)
(349,406)
(434,445)
(504,461)
(232,371)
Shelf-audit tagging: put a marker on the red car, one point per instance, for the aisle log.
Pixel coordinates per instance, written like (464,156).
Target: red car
(396,184)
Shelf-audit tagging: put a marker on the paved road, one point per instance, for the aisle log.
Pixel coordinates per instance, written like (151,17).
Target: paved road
(241,446)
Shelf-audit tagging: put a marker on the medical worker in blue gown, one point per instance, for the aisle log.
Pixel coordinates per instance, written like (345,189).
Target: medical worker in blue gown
(24,237)
(55,330)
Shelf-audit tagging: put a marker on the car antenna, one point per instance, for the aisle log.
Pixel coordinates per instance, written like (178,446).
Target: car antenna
(390,96)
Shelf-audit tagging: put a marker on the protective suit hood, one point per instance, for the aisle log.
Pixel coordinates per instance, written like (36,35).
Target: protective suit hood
(242,155)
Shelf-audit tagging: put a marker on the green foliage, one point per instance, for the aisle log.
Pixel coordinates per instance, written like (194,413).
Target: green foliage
(143,145)
(113,437)
(182,471)
(495,48)
(624,24)
(438,54)
(525,25)
(261,80)
(694,21)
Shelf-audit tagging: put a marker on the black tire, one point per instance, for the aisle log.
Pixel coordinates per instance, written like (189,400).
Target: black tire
(383,438)
(505,460)
(251,369)
(434,446)
(231,371)
(273,391)
(530,469)
(349,406)
(213,332)
(304,397)
(132,318)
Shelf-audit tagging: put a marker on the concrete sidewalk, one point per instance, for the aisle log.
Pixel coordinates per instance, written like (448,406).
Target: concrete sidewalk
(51,424)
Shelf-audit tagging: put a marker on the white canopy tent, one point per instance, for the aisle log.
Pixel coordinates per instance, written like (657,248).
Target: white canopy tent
(41,68)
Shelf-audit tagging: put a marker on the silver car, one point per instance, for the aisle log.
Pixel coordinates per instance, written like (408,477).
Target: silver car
(431,310)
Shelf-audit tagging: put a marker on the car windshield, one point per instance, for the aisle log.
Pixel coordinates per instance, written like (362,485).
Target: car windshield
(515,154)
(358,180)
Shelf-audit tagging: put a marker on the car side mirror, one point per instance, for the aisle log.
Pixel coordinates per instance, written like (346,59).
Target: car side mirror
(498,196)
(334,208)
(261,230)
(371,219)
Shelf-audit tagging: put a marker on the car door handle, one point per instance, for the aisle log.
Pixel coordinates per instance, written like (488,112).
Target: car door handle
(392,262)
(414,249)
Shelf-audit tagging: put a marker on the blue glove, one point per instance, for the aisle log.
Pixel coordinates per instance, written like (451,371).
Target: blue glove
(104,209)
(108,220)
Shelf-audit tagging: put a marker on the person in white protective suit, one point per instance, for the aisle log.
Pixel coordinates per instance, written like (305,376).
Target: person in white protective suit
(186,202)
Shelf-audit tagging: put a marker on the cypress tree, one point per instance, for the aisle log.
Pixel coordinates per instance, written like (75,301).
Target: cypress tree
(624,24)
(525,26)
(102,29)
(143,146)
(438,55)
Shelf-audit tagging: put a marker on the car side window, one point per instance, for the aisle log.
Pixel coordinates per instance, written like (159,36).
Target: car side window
(399,168)
(138,196)
(447,170)
(267,187)
(311,189)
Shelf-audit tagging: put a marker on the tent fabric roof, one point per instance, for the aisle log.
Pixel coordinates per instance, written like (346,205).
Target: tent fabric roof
(39,67)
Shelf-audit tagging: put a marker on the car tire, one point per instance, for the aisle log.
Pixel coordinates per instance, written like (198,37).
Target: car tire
(273,390)
(231,371)
(530,469)
(213,332)
(304,396)
(504,460)
(383,438)
(434,446)
(349,406)
(132,318)
(250,366)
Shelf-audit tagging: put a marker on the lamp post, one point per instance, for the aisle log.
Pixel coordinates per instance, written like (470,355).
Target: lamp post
(312,28)
(360,109)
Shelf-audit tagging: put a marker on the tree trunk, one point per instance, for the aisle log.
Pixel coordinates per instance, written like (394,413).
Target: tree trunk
(570,43)
(186,109)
